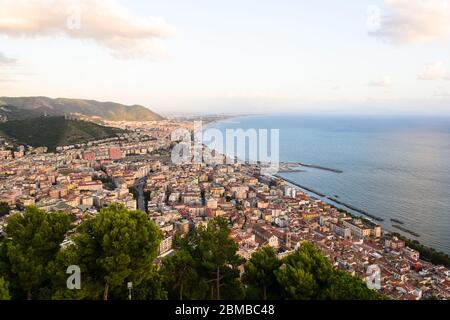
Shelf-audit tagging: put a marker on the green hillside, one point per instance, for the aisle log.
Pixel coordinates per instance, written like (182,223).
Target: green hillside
(10,113)
(54,131)
(90,108)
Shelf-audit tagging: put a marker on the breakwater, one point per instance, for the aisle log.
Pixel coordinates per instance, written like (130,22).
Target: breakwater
(300,186)
(319,167)
(356,209)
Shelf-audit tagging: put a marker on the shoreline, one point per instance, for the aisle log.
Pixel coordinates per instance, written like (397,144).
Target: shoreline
(314,193)
(386,230)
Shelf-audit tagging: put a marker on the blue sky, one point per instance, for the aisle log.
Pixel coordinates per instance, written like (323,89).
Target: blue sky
(233,56)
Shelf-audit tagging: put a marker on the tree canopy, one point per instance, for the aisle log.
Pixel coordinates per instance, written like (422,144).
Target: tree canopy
(260,273)
(4,292)
(116,247)
(33,240)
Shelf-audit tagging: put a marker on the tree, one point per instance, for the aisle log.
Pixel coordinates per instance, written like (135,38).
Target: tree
(150,288)
(180,276)
(4,209)
(308,275)
(4,292)
(343,286)
(115,247)
(216,259)
(218,254)
(33,240)
(260,271)
(305,273)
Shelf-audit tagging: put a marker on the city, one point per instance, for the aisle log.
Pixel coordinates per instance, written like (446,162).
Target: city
(263,210)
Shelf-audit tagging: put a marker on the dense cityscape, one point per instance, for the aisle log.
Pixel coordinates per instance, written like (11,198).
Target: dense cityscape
(136,171)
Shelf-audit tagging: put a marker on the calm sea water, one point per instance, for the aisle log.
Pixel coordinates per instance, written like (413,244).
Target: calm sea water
(396,167)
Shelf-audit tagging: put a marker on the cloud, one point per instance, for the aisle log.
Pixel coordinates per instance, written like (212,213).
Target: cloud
(414,21)
(435,71)
(384,82)
(104,22)
(6,60)
(441,92)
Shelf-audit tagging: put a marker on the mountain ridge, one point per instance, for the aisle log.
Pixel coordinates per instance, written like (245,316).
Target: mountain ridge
(86,107)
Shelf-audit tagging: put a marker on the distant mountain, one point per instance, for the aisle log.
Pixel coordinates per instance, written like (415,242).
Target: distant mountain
(54,131)
(87,108)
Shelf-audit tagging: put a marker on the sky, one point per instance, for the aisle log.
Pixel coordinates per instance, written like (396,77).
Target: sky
(238,56)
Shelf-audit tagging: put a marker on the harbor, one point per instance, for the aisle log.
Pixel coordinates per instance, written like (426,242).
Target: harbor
(334,200)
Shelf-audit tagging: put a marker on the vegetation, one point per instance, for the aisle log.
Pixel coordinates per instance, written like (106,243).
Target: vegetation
(260,276)
(4,209)
(88,108)
(4,292)
(32,243)
(215,260)
(51,132)
(426,253)
(308,275)
(119,246)
(116,247)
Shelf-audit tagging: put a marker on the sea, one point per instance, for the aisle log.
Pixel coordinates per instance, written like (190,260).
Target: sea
(392,166)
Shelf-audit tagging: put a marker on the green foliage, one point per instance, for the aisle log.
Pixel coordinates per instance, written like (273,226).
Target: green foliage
(343,286)
(305,273)
(218,255)
(260,273)
(119,246)
(308,275)
(33,240)
(4,292)
(181,278)
(115,247)
(55,131)
(150,288)
(4,209)
(216,259)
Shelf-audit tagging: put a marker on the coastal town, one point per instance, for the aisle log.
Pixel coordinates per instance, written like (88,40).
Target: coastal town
(135,169)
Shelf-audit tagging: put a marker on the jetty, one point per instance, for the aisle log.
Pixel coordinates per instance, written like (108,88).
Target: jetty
(356,209)
(397,221)
(415,234)
(319,167)
(300,186)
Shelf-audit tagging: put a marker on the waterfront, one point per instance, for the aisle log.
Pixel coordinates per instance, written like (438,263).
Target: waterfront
(392,168)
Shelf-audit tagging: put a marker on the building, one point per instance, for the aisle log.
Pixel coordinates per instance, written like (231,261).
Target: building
(115,153)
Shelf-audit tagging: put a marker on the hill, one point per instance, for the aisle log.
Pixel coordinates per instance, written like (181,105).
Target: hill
(51,132)
(89,108)
(10,113)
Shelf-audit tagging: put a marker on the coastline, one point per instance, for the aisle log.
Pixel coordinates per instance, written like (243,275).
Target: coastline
(413,242)
(386,224)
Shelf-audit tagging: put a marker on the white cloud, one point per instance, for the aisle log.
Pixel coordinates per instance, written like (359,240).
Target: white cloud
(415,21)
(384,82)
(105,22)
(5,59)
(435,71)
(442,92)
